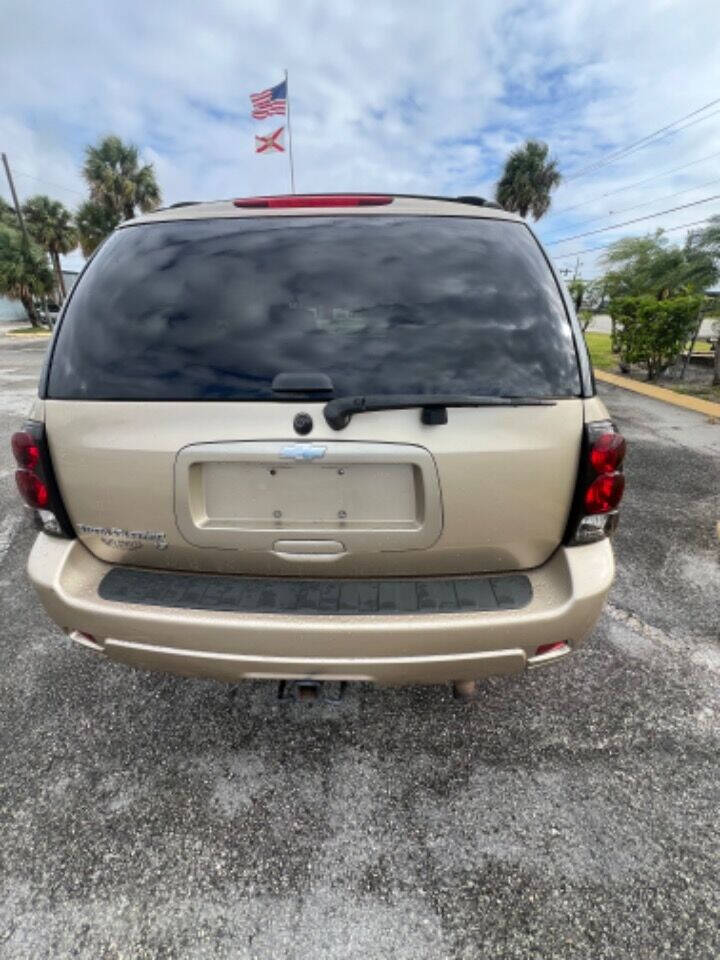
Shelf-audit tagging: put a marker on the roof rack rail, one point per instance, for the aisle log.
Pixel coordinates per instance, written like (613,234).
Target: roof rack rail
(475,201)
(480,202)
(181,203)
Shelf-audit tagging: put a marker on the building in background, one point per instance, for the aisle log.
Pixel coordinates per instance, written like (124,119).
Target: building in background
(12,311)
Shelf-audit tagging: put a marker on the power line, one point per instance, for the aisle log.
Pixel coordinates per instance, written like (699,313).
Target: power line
(647,203)
(626,223)
(637,183)
(651,143)
(49,183)
(642,142)
(605,246)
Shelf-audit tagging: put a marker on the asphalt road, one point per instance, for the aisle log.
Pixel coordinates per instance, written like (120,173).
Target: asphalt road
(567,814)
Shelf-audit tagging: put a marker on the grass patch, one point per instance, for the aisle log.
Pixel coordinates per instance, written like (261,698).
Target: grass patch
(703,391)
(603,358)
(601,355)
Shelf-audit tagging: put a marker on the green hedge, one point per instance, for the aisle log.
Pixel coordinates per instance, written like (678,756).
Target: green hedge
(652,332)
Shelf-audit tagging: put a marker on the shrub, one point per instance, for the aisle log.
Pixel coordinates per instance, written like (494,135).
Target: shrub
(652,332)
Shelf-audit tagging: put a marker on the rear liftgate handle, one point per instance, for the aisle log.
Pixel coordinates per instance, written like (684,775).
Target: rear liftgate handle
(313,551)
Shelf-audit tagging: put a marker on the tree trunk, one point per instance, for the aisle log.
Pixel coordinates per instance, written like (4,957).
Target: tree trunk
(696,333)
(58,273)
(27,302)
(716,365)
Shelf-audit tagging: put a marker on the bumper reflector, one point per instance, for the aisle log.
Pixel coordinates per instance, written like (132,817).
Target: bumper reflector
(551,648)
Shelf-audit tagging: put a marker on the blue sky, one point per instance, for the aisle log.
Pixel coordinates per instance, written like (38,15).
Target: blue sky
(403,95)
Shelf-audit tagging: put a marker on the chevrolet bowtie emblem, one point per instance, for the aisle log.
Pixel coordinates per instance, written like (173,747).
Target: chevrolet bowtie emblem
(302,451)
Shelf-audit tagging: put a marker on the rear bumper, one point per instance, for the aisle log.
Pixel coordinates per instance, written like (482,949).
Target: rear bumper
(568,594)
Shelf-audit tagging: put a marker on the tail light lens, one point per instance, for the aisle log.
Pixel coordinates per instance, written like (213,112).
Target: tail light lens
(604,493)
(33,491)
(607,452)
(600,484)
(35,479)
(25,450)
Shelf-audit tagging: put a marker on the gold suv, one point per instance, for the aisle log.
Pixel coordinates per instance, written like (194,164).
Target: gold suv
(342,437)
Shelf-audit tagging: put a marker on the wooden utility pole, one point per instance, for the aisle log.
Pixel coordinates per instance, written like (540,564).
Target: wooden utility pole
(15,199)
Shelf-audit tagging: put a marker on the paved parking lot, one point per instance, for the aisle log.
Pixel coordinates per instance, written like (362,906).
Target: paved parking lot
(567,814)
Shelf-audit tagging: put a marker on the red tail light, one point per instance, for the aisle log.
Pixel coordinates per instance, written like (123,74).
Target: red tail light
(33,491)
(35,479)
(600,484)
(314,200)
(607,452)
(25,450)
(604,493)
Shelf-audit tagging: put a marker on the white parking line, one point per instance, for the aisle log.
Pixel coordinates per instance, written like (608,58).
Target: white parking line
(8,528)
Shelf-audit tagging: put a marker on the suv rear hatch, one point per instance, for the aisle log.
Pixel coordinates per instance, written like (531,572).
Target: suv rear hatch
(172,450)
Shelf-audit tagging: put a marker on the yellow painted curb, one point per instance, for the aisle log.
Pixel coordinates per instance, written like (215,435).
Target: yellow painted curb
(706,407)
(33,336)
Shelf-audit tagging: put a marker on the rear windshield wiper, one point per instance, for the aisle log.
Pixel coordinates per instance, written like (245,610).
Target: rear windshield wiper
(340,411)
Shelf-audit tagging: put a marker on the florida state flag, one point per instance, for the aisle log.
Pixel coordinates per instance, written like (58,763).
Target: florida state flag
(272,143)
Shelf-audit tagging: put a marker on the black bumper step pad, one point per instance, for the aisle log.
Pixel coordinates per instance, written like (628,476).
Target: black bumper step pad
(331,597)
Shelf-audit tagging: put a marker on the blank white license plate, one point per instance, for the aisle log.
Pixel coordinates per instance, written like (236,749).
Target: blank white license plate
(249,494)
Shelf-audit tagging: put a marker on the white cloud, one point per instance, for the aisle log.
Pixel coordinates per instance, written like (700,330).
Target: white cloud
(409,96)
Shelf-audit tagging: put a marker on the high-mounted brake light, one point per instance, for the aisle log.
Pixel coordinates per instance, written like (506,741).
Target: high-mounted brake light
(314,200)
(600,484)
(35,479)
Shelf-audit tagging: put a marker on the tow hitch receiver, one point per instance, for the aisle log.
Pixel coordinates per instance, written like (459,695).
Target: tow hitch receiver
(308,691)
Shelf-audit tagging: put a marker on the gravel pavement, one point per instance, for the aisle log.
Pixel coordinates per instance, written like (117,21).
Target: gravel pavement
(571,813)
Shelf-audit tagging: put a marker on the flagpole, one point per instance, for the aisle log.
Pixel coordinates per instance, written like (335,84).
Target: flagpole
(290,150)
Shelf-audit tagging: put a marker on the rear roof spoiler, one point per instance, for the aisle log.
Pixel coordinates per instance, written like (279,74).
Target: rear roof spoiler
(471,200)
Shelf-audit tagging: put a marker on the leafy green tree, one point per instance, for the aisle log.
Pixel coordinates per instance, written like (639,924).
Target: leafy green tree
(652,332)
(707,239)
(651,265)
(528,179)
(94,222)
(24,271)
(50,224)
(116,179)
(8,217)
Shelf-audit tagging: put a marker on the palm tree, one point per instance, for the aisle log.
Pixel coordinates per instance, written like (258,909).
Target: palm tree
(50,224)
(527,180)
(707,239)
(94,223)
(8,217)
(117,181)
(24,271)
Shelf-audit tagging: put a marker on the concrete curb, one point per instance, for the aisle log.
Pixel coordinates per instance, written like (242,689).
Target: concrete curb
(706,407)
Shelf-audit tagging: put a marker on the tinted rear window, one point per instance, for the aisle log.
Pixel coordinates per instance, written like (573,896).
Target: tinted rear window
(214,309)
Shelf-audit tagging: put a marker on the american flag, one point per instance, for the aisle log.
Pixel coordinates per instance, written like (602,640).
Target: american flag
(269,102)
